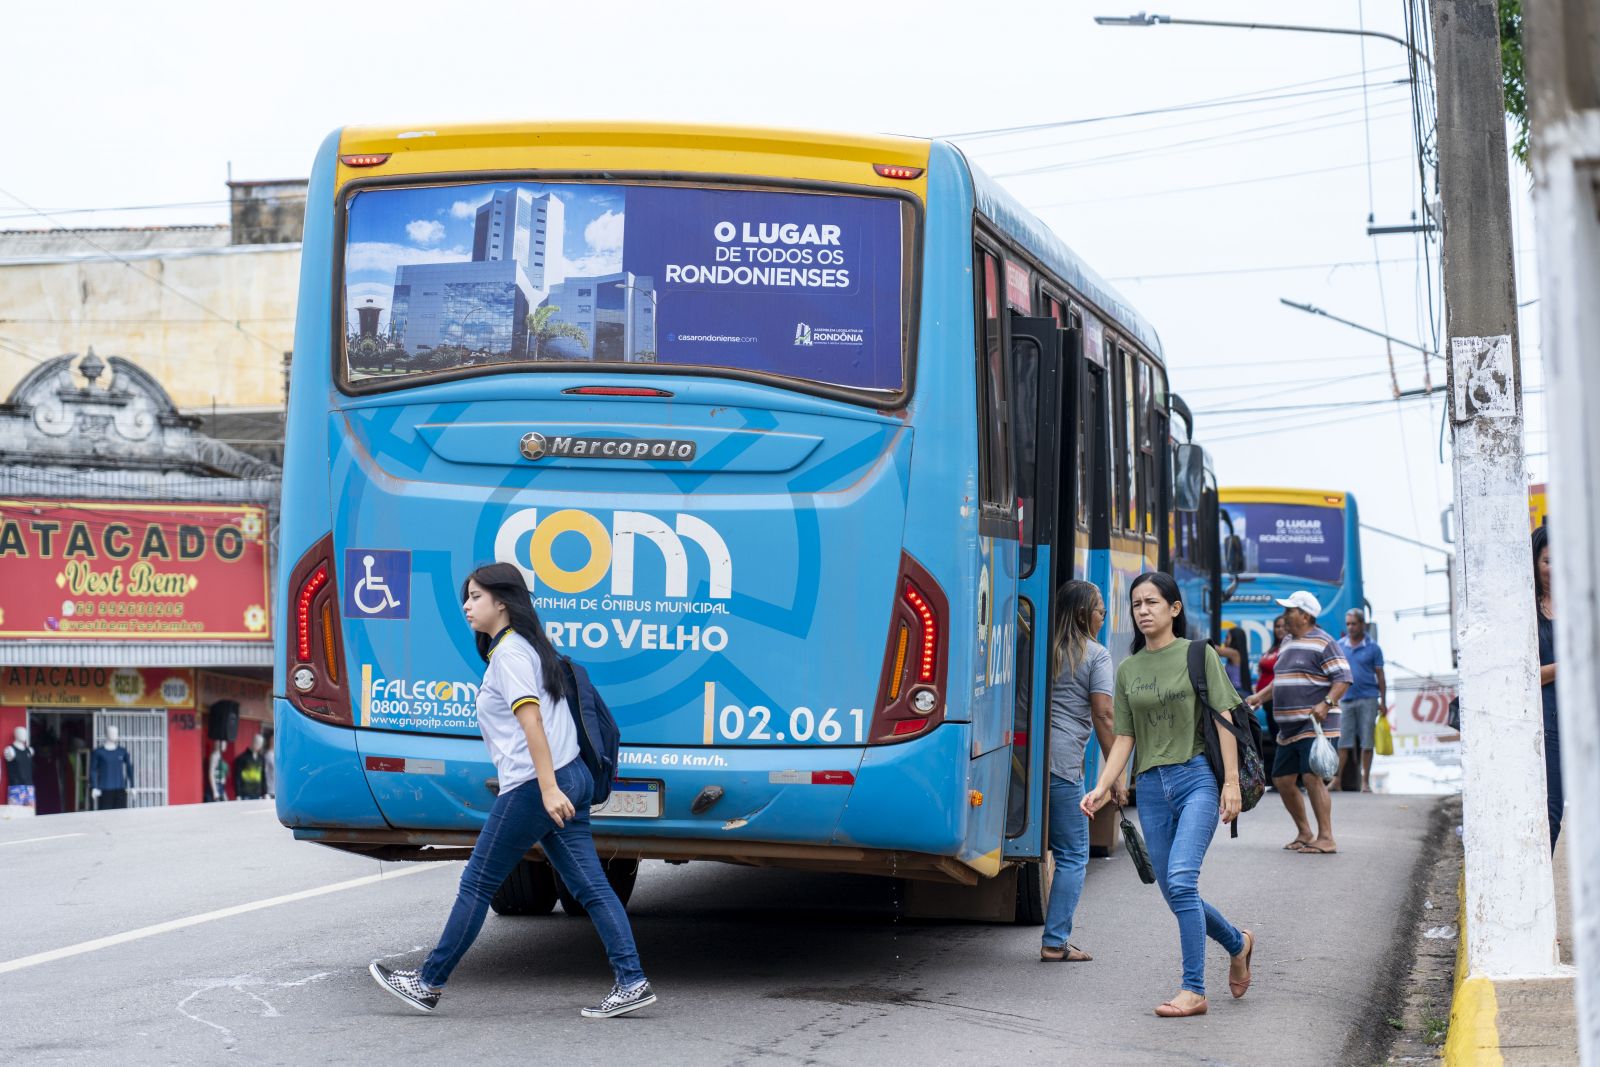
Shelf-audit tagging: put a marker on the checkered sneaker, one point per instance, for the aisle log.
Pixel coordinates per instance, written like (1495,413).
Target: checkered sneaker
(621,1001)
(407,985)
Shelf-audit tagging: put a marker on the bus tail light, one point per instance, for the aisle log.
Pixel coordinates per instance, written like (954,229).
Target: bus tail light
(365,159)
(911,692)
(895,170)
(315,682)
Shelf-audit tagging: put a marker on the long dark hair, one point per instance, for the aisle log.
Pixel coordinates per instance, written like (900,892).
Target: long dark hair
(1236,640)
(1169,592)
(1277,638)
(1541,541)
(504,582)
(1073,625)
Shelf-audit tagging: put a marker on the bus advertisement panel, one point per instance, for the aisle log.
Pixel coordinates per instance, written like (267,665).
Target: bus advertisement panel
(783,283)
(1275,541)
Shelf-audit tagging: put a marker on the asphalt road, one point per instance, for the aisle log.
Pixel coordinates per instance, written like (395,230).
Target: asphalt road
(750,965)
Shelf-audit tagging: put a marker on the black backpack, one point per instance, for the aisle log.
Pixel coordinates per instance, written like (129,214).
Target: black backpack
(1244,728)
(598,736)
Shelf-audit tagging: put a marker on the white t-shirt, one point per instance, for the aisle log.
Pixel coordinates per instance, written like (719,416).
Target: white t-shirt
(512,678)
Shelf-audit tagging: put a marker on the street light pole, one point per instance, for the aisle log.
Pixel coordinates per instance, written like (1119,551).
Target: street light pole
(1142,19)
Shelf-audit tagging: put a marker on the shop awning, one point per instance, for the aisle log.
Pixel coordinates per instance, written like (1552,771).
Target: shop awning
(134,654)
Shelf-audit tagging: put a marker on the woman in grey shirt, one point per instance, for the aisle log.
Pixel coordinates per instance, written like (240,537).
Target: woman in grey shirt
(1080,702)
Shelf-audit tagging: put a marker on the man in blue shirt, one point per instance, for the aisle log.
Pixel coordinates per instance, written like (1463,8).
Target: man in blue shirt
(1367,699)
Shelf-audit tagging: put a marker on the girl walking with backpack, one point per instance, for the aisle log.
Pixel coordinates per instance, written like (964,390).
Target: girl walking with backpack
(1157,718)
(545,791)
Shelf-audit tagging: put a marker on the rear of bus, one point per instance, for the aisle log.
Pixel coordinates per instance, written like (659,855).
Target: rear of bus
(672,375)
(1275,541)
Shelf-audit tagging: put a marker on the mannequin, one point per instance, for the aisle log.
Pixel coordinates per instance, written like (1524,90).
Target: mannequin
(19,774)
(249,777)
(217,772)
(110,772)
(270,758)
(222,726)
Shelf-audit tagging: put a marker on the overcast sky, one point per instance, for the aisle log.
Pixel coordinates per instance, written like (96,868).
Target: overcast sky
(1204,217)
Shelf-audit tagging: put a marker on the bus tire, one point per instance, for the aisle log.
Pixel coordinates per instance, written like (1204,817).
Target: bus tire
(1033,891)
(621,873)
(530,889)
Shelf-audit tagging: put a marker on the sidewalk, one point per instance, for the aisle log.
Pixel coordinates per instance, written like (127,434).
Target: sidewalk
(1333,943)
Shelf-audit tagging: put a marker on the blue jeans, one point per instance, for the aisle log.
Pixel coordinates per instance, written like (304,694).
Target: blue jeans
(516,823)
(1178,811)
(1069,843)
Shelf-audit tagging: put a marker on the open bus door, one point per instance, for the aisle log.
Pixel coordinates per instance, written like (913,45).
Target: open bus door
(1046,361)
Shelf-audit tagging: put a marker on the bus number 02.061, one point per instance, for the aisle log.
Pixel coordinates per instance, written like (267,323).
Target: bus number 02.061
(755,724)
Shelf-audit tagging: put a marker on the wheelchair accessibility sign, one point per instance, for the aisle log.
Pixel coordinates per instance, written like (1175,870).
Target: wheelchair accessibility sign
(377,583)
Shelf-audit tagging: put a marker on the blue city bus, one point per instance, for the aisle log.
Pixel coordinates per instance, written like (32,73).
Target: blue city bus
(1275,541)
(792,436)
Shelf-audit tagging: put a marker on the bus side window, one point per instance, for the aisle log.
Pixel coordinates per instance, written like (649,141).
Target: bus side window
(995,449)
(1133,493)
(1147,447)
(1121,459)
(1070,318)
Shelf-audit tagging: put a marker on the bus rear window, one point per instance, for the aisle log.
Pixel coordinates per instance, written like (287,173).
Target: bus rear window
(1293,540)
(798,285)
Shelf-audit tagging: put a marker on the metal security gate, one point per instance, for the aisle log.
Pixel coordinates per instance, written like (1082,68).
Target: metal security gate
(144,735)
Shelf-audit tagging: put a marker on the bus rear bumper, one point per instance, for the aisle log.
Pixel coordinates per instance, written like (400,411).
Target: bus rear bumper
(319,778)
(436,845)
(899,809)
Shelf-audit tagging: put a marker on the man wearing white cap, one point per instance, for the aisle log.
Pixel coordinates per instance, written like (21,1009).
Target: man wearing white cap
(1311,675)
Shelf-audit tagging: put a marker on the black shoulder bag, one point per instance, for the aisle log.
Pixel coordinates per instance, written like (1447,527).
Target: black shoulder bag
(1244,728)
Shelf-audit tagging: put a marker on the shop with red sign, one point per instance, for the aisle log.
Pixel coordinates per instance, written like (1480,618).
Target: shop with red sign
(133,607)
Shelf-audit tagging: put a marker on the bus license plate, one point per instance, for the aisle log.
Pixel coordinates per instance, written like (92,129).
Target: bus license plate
(631,798)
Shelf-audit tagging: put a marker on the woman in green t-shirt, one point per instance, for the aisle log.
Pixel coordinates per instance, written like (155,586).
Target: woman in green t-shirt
(1157,720)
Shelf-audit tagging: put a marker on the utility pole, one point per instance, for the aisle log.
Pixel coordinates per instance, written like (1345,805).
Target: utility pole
(1510,891)
(1563,64)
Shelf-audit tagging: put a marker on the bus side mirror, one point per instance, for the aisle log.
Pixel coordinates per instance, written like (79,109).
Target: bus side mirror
(1188,477)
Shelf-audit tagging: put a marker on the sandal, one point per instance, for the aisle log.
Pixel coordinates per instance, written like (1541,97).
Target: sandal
(1064,954)
(1296,845)
(1170,1010)
(1238,989)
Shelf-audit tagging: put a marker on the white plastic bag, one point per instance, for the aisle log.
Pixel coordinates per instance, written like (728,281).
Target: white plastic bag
(1323,759)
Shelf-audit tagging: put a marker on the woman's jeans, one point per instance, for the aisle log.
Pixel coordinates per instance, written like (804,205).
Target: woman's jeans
(1555,799)
(1069,843)
(516,823)
(1178,810)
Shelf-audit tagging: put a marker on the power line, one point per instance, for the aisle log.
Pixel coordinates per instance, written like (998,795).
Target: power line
(149,277)
(1193,143)
(1323,406)
(1345,90)
(1252,96)
(138,207)
(1294,385)
(1214,185)
(1256,270)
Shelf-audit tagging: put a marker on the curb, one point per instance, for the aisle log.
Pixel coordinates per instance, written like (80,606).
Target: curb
(1473,1039)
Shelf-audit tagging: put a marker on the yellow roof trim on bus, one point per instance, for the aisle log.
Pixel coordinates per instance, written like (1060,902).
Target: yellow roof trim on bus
(1246,494)
(636,147)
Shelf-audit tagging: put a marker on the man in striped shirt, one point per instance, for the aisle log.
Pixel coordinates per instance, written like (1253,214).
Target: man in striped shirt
(1310,676)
